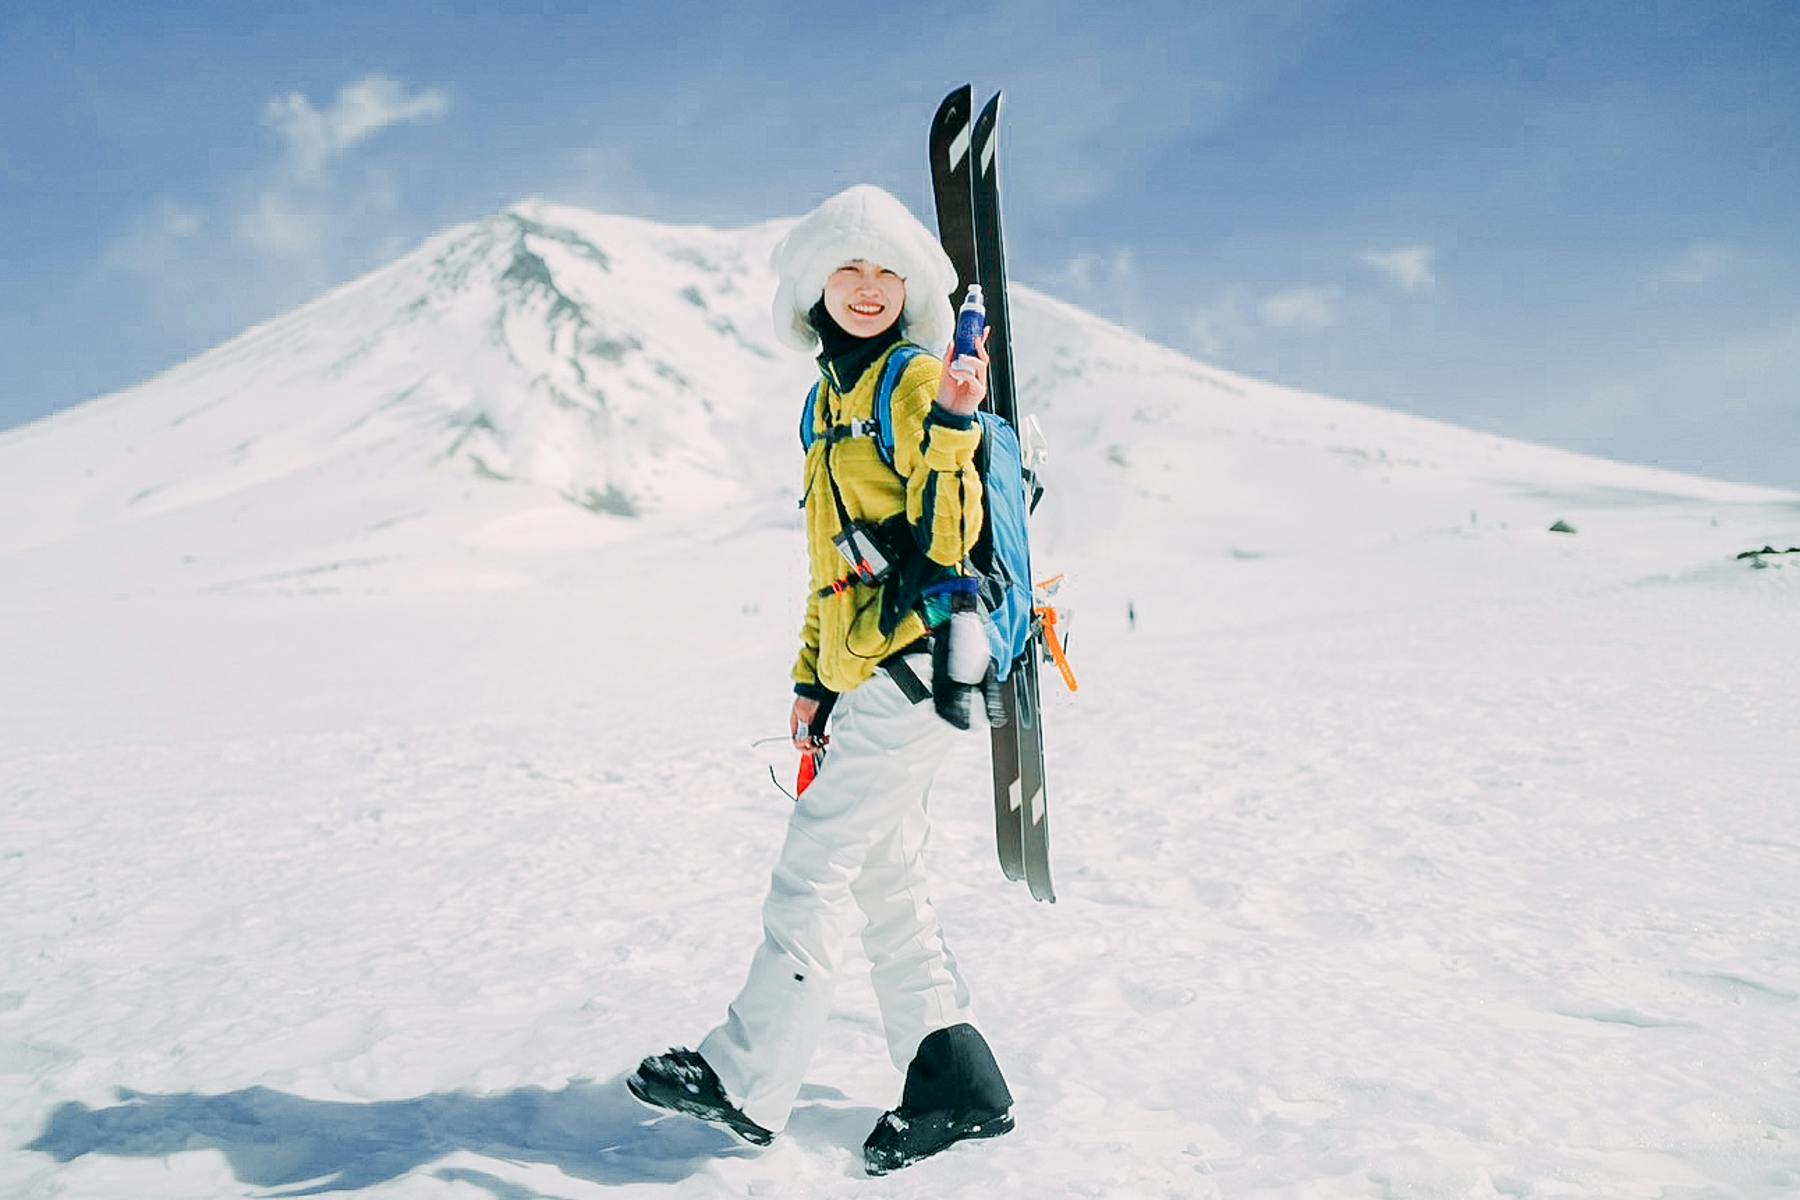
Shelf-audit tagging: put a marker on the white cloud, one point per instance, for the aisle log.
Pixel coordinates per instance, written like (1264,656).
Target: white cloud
(267,239)
(1239,317)
(171,254)
(1699,264)
(297,213)
(362,109)
(1225,323)
(1088,272)
(1303,307)
(1106,283)
(156,239)
(296,210)
(277,225)
(1410,268)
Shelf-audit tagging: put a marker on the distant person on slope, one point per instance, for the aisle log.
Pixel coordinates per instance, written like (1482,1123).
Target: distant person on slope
(860,278)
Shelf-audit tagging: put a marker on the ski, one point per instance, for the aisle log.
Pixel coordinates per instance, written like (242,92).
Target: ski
(953,188)
(953,185)
(1028,792)
(966,186)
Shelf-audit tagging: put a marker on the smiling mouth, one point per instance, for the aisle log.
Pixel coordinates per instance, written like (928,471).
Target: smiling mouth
(868,310)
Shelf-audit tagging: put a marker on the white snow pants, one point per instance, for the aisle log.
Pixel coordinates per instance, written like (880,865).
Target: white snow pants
(855,842)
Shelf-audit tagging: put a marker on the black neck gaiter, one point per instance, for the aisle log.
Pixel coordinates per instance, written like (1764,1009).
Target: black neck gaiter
(842,354)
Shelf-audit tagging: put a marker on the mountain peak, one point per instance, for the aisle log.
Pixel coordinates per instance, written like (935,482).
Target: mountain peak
(613,371)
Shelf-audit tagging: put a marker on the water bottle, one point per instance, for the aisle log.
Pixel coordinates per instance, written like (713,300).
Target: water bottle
(971,319)
(969,652)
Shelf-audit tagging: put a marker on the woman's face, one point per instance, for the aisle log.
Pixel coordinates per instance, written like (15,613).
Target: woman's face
(864,299)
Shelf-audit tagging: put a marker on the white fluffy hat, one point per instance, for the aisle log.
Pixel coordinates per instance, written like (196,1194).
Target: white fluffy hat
(867,223)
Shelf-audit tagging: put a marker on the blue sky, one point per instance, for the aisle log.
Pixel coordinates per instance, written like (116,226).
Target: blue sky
(1573,222)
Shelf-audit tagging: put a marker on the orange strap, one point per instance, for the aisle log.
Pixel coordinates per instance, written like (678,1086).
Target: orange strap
(1056,651)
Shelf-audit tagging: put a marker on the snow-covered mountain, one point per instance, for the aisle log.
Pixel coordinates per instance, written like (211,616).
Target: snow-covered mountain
(541,353)
(552,378)
(389,700)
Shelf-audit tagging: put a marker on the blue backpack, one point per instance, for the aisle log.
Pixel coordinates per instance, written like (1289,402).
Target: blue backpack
(999,570)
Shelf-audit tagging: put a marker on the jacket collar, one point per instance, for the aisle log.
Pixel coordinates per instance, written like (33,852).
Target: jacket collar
(844,357)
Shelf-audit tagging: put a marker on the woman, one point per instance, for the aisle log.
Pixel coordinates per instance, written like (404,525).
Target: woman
(860,277)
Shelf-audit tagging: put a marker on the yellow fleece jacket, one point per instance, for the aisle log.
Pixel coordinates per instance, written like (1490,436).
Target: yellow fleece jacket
(933,481)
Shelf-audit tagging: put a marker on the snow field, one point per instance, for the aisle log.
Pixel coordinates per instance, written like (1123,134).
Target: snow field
(374,793)
(1478,898)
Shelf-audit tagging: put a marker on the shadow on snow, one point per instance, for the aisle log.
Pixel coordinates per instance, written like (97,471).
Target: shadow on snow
(591,1131)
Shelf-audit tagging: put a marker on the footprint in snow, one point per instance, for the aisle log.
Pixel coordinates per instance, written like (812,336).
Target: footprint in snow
(1148,999)
(1735,988)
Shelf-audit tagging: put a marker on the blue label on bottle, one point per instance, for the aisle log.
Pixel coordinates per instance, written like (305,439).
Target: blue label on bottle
(969,324)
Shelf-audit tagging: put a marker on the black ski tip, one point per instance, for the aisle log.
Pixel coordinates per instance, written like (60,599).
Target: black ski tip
(987,135)
(959,103)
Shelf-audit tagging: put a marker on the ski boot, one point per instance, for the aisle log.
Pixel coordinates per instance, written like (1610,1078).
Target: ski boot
(681,1081)
(954,1091)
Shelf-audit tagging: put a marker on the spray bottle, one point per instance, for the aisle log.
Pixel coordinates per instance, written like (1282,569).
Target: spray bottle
(971,319)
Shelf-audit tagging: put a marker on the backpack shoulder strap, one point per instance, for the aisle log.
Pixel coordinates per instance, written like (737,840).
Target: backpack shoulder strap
(898,360)
(808,418)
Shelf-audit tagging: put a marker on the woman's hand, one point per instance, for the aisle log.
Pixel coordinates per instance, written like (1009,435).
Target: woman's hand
(961,393)
(800,723)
